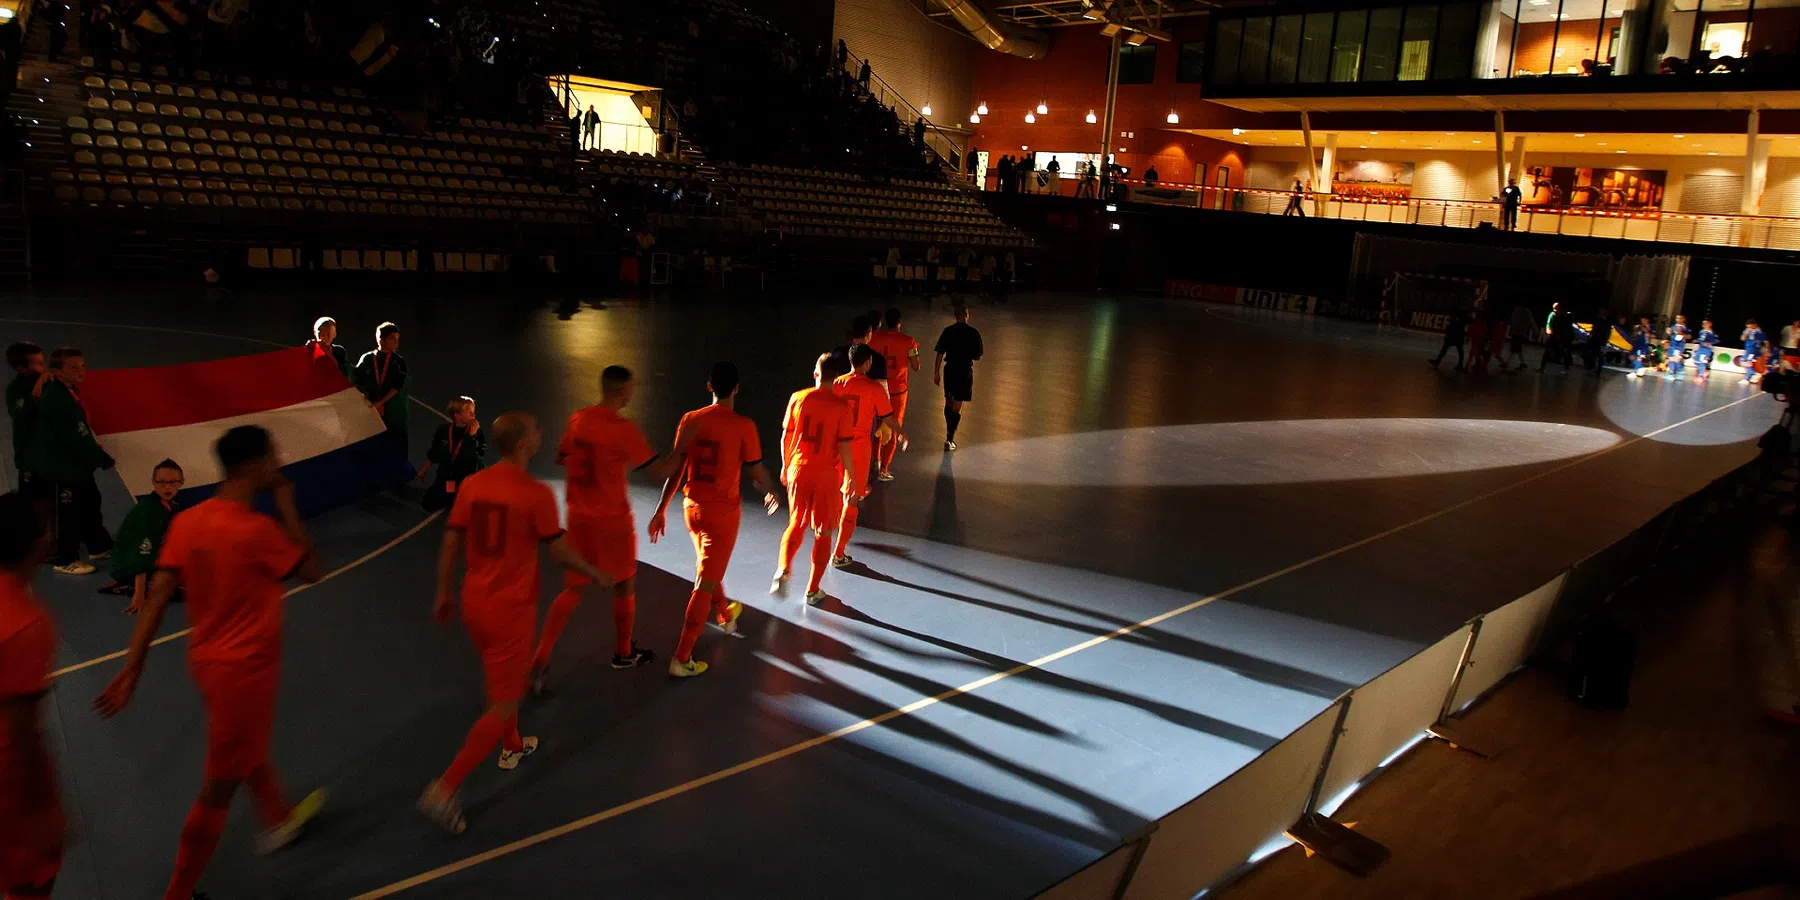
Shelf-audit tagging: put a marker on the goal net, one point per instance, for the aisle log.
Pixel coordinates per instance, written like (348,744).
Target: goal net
(1424,302)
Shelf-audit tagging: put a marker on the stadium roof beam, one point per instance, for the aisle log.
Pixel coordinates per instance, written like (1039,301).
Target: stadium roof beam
(1139,15)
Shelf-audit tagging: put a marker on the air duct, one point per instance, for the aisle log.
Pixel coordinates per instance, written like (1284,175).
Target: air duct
(993,34)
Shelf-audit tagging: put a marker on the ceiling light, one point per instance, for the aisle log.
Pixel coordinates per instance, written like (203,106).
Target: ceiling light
(1136,38)
(1363,147)
(974,118)
(1602,143)
(1091,118)
(925,110)
(1031,118)
(1043,110)
(1237,131)
(1173,118)
(981,108)
(1618,151)
(1712,153)
(1374,132)
(1680,136)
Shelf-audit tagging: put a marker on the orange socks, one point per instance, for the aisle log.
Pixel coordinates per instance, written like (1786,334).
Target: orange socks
(821,558)
(624,620)
(554,622)
(199,838)
(846,528)
(698,608)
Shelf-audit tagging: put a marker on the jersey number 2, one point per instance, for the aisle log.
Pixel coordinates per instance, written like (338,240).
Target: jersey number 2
(580,464)
(703,461)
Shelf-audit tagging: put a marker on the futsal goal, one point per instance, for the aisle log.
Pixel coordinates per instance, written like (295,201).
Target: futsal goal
(1424,302)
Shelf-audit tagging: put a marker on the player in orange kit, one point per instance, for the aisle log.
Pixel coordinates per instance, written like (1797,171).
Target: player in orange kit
(712,445)
(597,449)
(901,353)
(231,561)
(31,816)
(816,434)
(501,516)
(869,407)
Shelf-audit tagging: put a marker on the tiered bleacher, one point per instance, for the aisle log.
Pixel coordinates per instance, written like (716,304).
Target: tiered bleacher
(820,203)
(145,141)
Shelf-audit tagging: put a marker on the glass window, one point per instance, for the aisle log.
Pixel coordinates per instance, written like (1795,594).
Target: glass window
(1676,35)
(1456,41)
(1416,41)
(1315,48)
(1494,42)
(1774,33)
(1253,60)
(1535,47)
(1137,65)
(1284,50)
(1347,49)
(1190,61)
(1723,28)
(1383,46)
(1578,31)
(1225,59)
(1624,18)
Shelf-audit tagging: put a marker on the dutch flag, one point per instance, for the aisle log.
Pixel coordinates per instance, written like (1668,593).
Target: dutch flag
(334,446)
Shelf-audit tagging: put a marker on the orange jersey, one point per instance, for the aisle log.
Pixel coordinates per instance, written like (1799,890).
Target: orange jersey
(504,514)
(816,424)
(598,448)
(899,350)
(718,444)
(868,402)
(231,560)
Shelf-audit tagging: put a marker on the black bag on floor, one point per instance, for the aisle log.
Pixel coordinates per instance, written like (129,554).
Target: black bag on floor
(1600,673)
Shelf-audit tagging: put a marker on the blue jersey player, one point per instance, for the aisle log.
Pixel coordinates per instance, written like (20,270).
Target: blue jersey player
(1754,341)
(1678,338)
(1640,346)
(1706,340)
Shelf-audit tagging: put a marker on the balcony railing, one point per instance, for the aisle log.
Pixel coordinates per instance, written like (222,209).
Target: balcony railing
(1768,232)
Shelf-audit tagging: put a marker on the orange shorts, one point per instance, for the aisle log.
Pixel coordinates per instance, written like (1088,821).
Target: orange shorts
(31,830)
(862,449)
(899,403)
(609,543)
(714,527)
(505,650)
(816,497)
(240,715)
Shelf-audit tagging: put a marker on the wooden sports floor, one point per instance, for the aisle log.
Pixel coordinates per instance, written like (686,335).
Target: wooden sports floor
(1172,534)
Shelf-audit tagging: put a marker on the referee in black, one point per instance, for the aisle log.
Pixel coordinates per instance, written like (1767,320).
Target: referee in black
(957,350)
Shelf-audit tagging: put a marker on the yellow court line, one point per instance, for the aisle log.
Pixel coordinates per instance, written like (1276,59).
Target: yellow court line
(178,635)
(924,702)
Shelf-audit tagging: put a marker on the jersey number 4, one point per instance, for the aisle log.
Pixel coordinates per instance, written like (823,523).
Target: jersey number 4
(487,530)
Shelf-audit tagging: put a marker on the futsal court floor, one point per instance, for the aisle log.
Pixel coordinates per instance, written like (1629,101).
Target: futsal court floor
(1174,532)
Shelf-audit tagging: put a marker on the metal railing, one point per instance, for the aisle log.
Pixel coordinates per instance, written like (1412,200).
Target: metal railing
(944,149)
(1765,232)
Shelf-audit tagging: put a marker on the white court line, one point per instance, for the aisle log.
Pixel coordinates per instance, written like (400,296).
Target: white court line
(178,635)
(925,702)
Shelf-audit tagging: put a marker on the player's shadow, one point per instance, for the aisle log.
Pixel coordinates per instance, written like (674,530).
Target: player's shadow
(1174,715)
(1257,668)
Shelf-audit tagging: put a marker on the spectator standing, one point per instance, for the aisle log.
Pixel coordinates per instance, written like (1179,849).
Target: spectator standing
(590,128)
(324,343)
(1456,327)
(1509,205)
(1520,332)
(1296,207)
(1556,339)
(919,132)
(382,377)
(66,454)
(862,77)
(1150,176)
(1593,353)
(22,400)
(1053,176)
(1086,186)
(456,452)
(1003,172)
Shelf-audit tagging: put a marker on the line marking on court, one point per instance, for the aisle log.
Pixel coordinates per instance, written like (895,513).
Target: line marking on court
(533,840)
(178,635)
(296,589)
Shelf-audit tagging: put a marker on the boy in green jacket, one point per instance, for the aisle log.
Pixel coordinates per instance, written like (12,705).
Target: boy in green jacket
(66,454)
(29,375)
(141,535)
